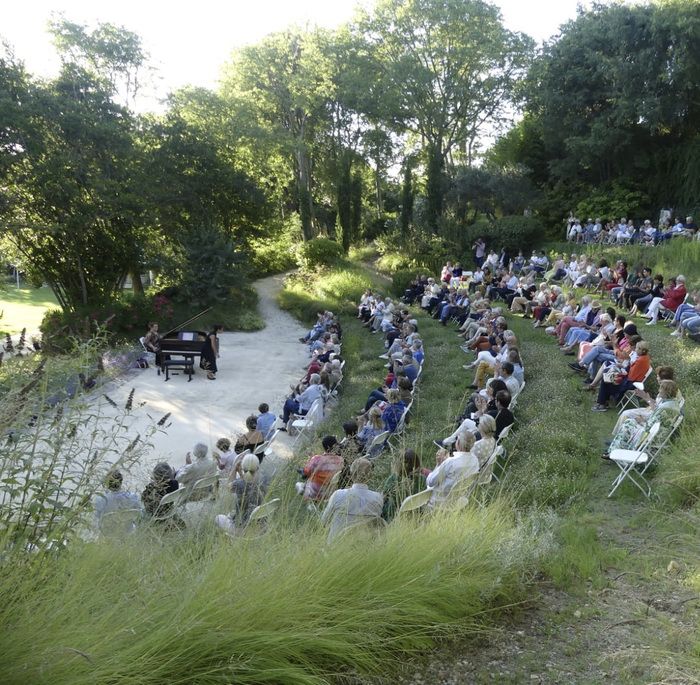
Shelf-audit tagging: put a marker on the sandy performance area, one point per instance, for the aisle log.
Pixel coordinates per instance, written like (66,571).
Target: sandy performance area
(253,368)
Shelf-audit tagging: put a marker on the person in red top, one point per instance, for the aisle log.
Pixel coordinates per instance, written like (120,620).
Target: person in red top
(636,373)
(319,471)
(674,298)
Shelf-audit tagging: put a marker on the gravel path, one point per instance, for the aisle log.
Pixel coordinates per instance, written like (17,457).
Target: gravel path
(254,367)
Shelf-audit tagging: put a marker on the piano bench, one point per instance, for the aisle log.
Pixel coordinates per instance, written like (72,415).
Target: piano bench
(187,365)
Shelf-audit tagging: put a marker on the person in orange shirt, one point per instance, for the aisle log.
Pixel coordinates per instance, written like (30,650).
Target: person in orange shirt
(319,471)
(636,372)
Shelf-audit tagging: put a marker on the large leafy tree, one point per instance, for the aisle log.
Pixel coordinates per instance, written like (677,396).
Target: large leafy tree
(614,102)
(446,70)
(286,81)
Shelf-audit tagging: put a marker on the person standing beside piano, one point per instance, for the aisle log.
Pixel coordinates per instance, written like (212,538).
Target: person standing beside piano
(210,352)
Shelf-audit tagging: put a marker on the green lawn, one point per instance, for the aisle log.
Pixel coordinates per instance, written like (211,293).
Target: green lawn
(24,307)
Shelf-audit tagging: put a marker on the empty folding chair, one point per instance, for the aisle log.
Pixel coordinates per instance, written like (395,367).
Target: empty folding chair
(628,461)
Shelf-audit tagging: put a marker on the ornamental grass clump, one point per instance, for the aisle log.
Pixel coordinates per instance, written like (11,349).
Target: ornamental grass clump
(278,606)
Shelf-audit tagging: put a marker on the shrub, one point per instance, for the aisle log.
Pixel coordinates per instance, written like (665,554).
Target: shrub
(318,252)
(512,232)
(274,254)
(402,278)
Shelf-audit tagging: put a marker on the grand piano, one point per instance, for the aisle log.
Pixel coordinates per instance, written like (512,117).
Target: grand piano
(178,350)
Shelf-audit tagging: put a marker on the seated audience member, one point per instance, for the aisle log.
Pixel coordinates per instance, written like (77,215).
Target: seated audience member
(393,411)
(506,374)
(373,426)
(657,291)
(687,317)
(196,468)
(114,498)
(623,379)
(666,410)
(484,447)
(405,479)
(504,416)
(162,483)
(319,471)
(640,414)
(301,402)
(354,506)
(248,491)
(449,470)
(226,461)
(251,439)
(266,421)
(673,299)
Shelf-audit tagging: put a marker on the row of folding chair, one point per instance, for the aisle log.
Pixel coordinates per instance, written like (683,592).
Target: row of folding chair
(461,493)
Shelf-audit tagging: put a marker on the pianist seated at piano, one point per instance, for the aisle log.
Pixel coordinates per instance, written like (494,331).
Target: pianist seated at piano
(300,402)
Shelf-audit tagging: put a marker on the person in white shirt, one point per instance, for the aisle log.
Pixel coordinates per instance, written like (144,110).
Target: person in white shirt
(451,470)
(353,506)
(227,458)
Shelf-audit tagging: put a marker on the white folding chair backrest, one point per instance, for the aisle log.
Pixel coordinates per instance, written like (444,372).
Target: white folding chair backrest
(205,482)
(504,434)
(377,443)
(414,502)
(263,511)
(486,474)
(268,444)
(176,498)
(119,522)
(462,490)
(142,340)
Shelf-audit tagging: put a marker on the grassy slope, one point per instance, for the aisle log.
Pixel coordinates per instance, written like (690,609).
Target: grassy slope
(24,307)
(607,591)
(277,608)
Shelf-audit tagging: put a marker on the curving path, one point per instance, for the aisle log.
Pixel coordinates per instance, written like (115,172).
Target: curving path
(254,367)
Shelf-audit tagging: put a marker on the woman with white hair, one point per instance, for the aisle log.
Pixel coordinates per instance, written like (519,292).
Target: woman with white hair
(249,493)
(674,298)
(197,465)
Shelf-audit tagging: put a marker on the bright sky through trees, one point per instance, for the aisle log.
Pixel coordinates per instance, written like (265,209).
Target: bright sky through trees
(188,42)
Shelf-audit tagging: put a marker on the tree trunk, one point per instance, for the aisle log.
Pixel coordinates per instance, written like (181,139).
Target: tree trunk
(356,214)
(136,282)
(306,207)
(435,185)
(344,190)
(406,200)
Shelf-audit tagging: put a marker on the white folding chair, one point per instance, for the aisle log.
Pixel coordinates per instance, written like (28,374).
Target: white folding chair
(261,513)
(176,498)
(504,434)
(375,447)
(201,487)
(119,522)
(461,492)
(514,398)
(630,396)
(307,422)
(487,474)
(628,460)
(415,502)
(268,445)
